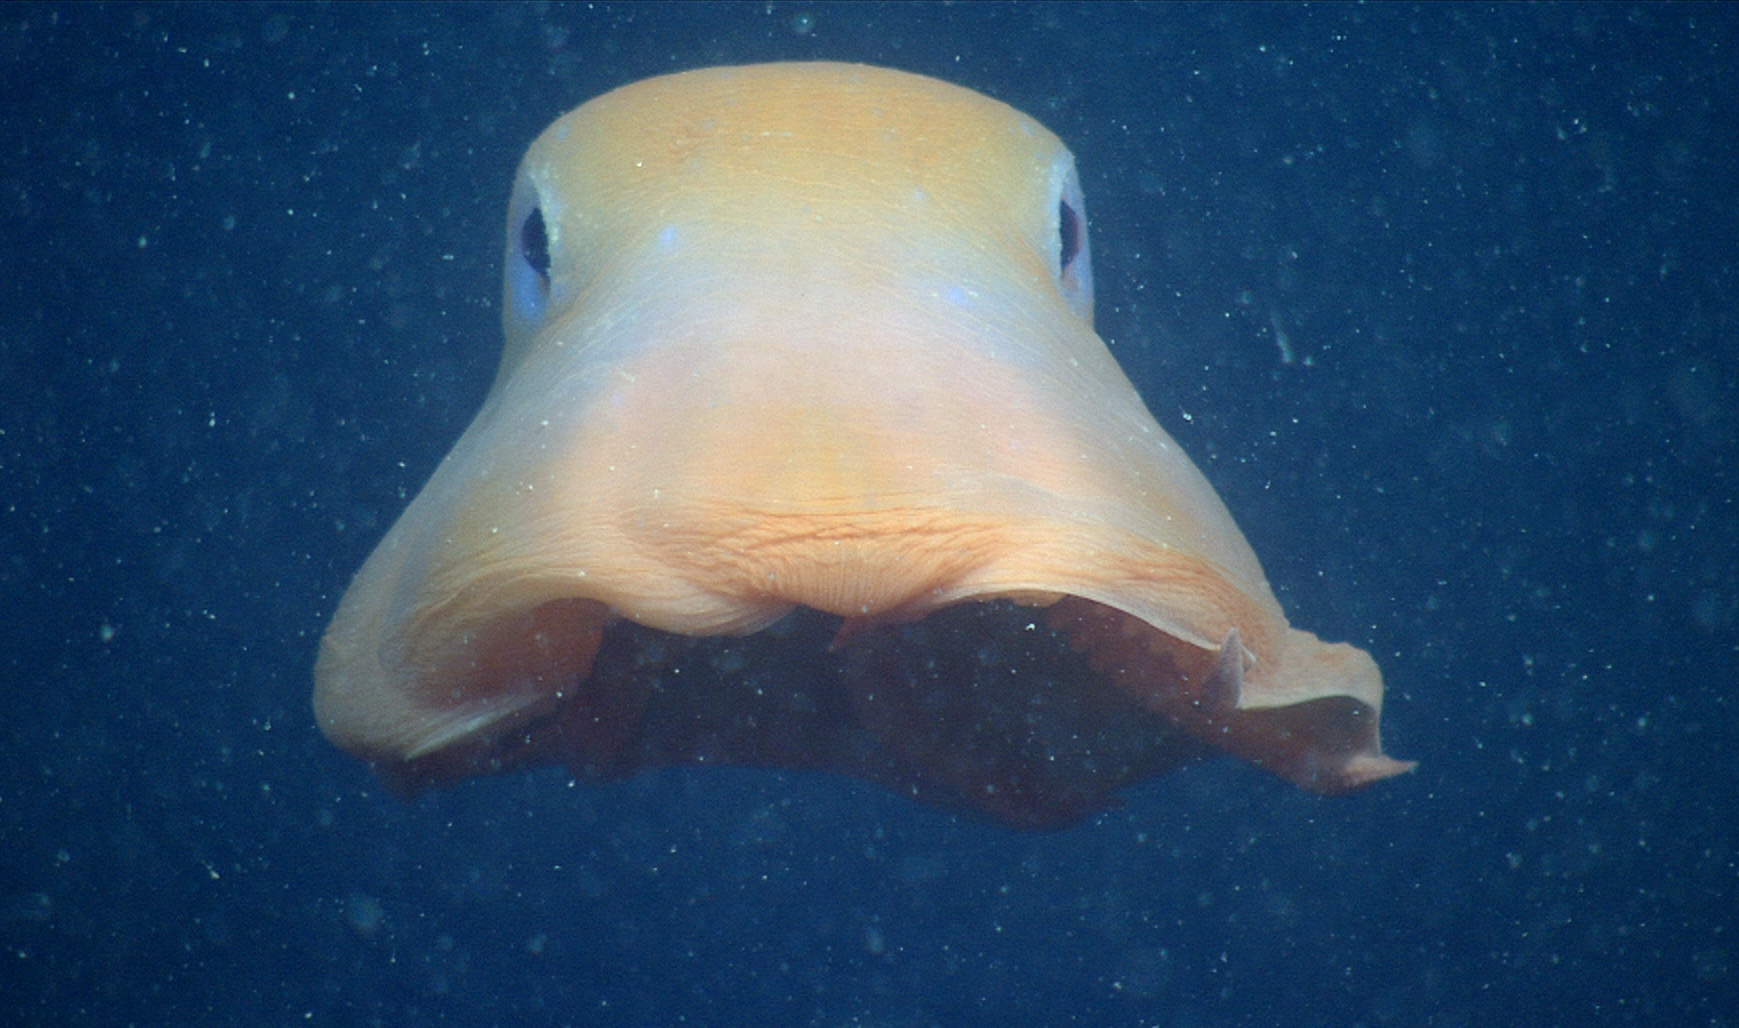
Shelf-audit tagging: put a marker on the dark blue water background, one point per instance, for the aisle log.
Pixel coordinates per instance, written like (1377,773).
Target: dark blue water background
(249,262)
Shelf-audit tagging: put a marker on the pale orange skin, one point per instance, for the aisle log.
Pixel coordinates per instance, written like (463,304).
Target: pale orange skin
(808,338)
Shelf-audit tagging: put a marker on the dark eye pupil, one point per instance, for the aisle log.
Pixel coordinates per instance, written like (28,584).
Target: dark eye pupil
(1069,234)
(534,244)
